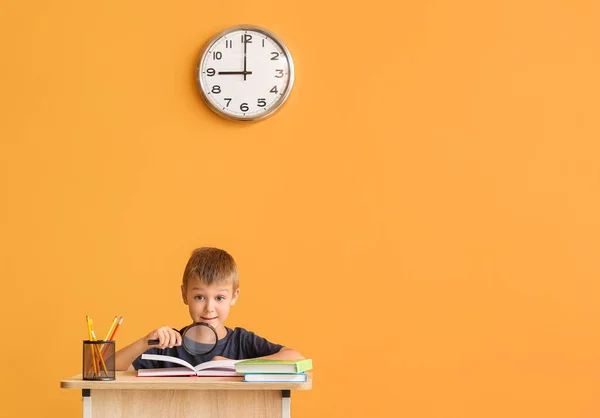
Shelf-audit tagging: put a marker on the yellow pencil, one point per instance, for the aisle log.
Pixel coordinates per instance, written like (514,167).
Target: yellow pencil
(112,337)
(91,338)
(97,349)
(100,359)
(112,326)
(98,352)
(109,334)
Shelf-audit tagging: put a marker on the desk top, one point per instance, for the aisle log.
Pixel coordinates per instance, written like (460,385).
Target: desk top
(129,380)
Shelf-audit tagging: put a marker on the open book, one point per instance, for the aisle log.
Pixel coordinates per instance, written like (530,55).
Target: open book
(208,368)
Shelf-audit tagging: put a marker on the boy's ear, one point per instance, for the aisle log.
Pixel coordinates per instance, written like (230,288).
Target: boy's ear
(236,294)
(183,295)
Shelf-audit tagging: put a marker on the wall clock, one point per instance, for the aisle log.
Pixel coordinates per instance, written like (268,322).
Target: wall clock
(245,73)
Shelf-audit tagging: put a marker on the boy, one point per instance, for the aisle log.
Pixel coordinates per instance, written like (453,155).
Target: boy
(210,287)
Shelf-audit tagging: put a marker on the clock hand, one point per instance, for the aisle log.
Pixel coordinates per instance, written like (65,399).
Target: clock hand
(234,72)
(245,43)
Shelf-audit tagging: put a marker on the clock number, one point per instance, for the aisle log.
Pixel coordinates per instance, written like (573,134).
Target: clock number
(274,90)
(246,39)
(275,56)
(279,74)
(262,102)
(217,55)
(216,89)
(244,107)
(210,72)
(263,43)
(228,100)
(228,43)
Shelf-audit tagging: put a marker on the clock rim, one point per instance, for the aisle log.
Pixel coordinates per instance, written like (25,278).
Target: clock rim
(283,97)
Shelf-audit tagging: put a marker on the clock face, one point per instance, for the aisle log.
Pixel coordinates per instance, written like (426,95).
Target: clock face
(245,73)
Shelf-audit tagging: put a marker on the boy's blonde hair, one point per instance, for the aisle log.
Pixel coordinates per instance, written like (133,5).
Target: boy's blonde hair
(211,266)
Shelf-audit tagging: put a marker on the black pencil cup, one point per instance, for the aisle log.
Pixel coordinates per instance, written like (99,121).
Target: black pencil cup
(98,360)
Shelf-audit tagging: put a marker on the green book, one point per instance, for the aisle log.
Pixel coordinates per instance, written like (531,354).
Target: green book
(273,366)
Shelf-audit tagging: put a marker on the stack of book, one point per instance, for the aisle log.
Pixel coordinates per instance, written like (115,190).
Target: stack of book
(263,370)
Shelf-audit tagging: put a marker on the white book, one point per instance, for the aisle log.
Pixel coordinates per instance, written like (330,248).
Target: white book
(257,377)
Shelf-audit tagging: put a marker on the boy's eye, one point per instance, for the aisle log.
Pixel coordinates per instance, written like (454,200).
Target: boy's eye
(198,297)
(220,298)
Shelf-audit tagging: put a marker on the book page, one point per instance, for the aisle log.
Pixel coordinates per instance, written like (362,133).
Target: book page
(160,357)
(217,364)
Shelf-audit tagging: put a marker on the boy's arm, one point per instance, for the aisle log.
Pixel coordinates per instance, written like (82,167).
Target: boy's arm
(166,336)
(285,353)
(125,356)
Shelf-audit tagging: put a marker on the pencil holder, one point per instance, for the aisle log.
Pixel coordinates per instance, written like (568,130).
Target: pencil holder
(98,360)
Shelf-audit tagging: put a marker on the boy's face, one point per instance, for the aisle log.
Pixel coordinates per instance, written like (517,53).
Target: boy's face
(209,303)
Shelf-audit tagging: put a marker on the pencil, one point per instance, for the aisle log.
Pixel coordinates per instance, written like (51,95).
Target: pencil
(109,335)
(112,327)
(112,336)
(99,354)
(97,349)
(91,338)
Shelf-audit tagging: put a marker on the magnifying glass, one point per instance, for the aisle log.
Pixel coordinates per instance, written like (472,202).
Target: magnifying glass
(197,339)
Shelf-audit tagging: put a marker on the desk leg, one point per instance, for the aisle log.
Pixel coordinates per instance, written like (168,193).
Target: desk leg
(86,395)
(286,404)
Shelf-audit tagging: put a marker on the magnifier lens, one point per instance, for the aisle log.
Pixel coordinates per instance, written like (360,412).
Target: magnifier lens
(199,338)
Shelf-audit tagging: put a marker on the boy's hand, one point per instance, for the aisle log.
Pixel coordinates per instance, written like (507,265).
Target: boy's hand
(219,358)
(166,336)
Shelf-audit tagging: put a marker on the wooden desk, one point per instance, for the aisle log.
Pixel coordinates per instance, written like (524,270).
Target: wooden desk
(223,397)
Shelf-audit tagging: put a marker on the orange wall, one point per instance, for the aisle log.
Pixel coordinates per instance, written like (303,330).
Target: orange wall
(426,205)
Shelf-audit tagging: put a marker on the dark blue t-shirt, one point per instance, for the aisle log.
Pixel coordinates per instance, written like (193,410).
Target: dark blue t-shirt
(238,344)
